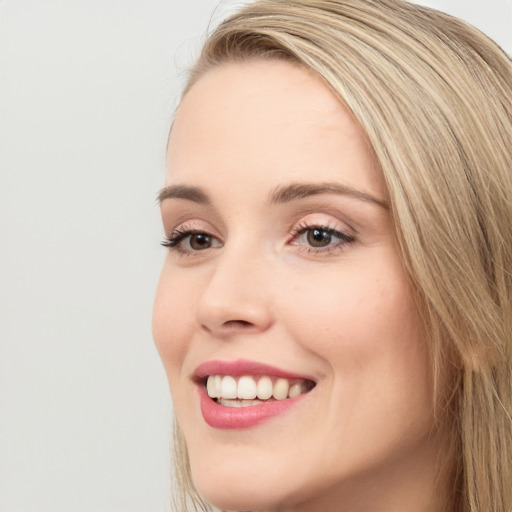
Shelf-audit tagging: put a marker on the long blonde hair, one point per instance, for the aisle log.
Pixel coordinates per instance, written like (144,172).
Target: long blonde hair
(434,96)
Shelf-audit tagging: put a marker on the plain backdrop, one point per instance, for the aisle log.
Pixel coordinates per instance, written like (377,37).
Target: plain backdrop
(87,93)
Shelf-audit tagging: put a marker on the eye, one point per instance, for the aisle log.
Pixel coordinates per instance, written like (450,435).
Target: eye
(187,241)
(317,238)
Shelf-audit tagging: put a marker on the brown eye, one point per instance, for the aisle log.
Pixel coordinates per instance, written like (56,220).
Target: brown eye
(319,237)
(200,241)
(189,241)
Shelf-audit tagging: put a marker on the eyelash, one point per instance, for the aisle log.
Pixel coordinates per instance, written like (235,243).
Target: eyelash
(174,240)
(344,238)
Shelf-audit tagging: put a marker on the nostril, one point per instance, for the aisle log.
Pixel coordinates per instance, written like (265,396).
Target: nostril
(228,327)
(237,323)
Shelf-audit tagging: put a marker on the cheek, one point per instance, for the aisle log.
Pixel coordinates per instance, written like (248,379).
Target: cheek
(364,325)
(357,308)
(172,325)
(364,331)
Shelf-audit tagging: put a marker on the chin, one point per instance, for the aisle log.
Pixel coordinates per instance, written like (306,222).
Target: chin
(226,502)
(235,495)
(256,483)
(233,487)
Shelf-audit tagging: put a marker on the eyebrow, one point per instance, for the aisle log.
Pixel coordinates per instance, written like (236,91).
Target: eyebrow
(194,194)
(282,194)
(294,191)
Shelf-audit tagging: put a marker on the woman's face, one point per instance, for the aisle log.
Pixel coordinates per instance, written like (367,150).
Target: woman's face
(283,277)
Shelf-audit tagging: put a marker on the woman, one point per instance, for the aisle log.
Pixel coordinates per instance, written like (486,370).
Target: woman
(335,311)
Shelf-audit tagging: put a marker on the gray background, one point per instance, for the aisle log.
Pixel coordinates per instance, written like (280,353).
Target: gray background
(87,92)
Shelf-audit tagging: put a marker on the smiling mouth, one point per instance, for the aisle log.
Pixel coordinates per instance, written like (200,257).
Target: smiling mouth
(247,390)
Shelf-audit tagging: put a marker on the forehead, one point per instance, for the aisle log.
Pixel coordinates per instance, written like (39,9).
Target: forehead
(268,116)
(253,82)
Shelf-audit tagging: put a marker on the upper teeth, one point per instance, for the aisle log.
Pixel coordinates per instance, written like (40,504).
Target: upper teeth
(249,388)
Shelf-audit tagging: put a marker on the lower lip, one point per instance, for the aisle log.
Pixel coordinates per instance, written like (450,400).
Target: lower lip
(220,416)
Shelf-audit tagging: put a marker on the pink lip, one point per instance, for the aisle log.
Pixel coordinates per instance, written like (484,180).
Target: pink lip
(222,417)
(243,367)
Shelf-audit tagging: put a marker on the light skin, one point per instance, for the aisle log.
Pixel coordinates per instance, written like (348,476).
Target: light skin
(263,153)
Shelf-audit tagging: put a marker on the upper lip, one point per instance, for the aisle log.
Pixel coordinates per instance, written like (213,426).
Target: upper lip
(242,367)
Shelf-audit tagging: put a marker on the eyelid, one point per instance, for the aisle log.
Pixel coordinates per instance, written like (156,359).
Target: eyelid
(324,223)
(324,220)
(195,225)
(338,236)
(178,213)
(181,231)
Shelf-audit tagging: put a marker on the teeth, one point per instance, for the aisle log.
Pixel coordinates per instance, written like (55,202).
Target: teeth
(238,403)
(218,385)
(229,387)
(210,388)
(295,390)
(249,390)
(265,388)
(246,388)
(281,388)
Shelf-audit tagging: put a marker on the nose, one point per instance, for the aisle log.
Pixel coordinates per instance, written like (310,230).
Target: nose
(236,297)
